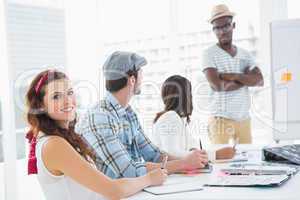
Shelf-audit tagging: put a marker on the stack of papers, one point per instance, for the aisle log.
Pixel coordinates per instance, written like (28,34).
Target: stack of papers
(248,181)
(259,169)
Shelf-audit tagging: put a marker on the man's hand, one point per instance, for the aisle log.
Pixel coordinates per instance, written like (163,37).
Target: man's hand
(225,153)
(248,78)
(218,84)
(247,70)
(157,176)
(152,166)
(195,160)
(230,76)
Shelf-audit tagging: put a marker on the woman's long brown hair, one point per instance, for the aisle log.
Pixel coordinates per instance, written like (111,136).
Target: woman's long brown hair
(39,120)
(176,94)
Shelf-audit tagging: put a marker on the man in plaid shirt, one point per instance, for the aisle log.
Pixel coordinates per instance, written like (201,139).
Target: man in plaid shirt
(113,131)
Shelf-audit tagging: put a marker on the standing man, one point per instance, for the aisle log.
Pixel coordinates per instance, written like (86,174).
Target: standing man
(230,71)
(113,130)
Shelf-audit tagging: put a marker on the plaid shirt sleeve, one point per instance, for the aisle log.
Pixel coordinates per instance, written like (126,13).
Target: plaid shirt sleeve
(100,132)
(150,152)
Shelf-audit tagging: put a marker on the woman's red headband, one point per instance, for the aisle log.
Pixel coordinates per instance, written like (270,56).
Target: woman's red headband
(43,80)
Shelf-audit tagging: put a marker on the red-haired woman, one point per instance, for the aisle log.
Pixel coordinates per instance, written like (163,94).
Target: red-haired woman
(63,162)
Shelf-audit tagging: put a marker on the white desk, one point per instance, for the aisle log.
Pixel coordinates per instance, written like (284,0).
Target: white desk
(288,191)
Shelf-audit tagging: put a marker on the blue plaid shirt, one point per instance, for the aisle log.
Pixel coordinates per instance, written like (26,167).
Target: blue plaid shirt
(118,139)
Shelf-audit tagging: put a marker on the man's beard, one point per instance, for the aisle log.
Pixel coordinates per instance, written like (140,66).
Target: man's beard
(137,90)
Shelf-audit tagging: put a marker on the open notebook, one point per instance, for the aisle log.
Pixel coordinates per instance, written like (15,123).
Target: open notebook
(176,184)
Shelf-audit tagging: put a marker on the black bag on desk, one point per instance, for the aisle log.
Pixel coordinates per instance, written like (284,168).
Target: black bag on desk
(286,154)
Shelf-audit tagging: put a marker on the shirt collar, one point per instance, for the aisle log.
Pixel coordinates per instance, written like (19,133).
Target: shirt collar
(121,111)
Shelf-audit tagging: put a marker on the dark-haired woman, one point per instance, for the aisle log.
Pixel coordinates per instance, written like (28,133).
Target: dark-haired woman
(63,162)
(171,130)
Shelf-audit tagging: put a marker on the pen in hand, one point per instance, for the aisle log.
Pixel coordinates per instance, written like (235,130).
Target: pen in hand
(164,161)
(200,144)
(207,166)
(236,141)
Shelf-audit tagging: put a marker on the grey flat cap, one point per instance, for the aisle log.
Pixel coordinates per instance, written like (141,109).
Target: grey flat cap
(120,62)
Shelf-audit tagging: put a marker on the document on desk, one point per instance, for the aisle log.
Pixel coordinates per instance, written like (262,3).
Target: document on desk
(248,180)
(258,169)
(174,188)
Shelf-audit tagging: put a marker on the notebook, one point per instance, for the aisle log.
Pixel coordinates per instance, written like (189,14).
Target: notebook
(207,169)
(174,188)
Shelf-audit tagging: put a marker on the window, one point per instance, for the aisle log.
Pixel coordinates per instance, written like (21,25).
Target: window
(141,26)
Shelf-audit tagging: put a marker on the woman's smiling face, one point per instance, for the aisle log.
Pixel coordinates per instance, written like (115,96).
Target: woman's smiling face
(59,102)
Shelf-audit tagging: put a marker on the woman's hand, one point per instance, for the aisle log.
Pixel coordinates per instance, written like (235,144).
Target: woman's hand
(225,153)
(195,159)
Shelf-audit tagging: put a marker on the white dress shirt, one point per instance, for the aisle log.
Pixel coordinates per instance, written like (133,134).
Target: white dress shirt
(171,134)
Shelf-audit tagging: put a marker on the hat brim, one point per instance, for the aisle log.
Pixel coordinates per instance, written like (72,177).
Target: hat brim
(227,14)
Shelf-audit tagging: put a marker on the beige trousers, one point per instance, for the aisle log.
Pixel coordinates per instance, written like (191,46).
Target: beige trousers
(222,130)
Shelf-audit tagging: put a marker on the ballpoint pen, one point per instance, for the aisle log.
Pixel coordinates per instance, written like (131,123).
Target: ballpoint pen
(207,166)
(200,144)
(235,143)
(164,161)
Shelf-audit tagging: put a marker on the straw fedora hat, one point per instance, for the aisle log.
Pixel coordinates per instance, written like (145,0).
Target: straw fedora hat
(220,11)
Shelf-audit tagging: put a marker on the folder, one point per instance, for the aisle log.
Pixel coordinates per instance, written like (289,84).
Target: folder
(248,181)
(259,169)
